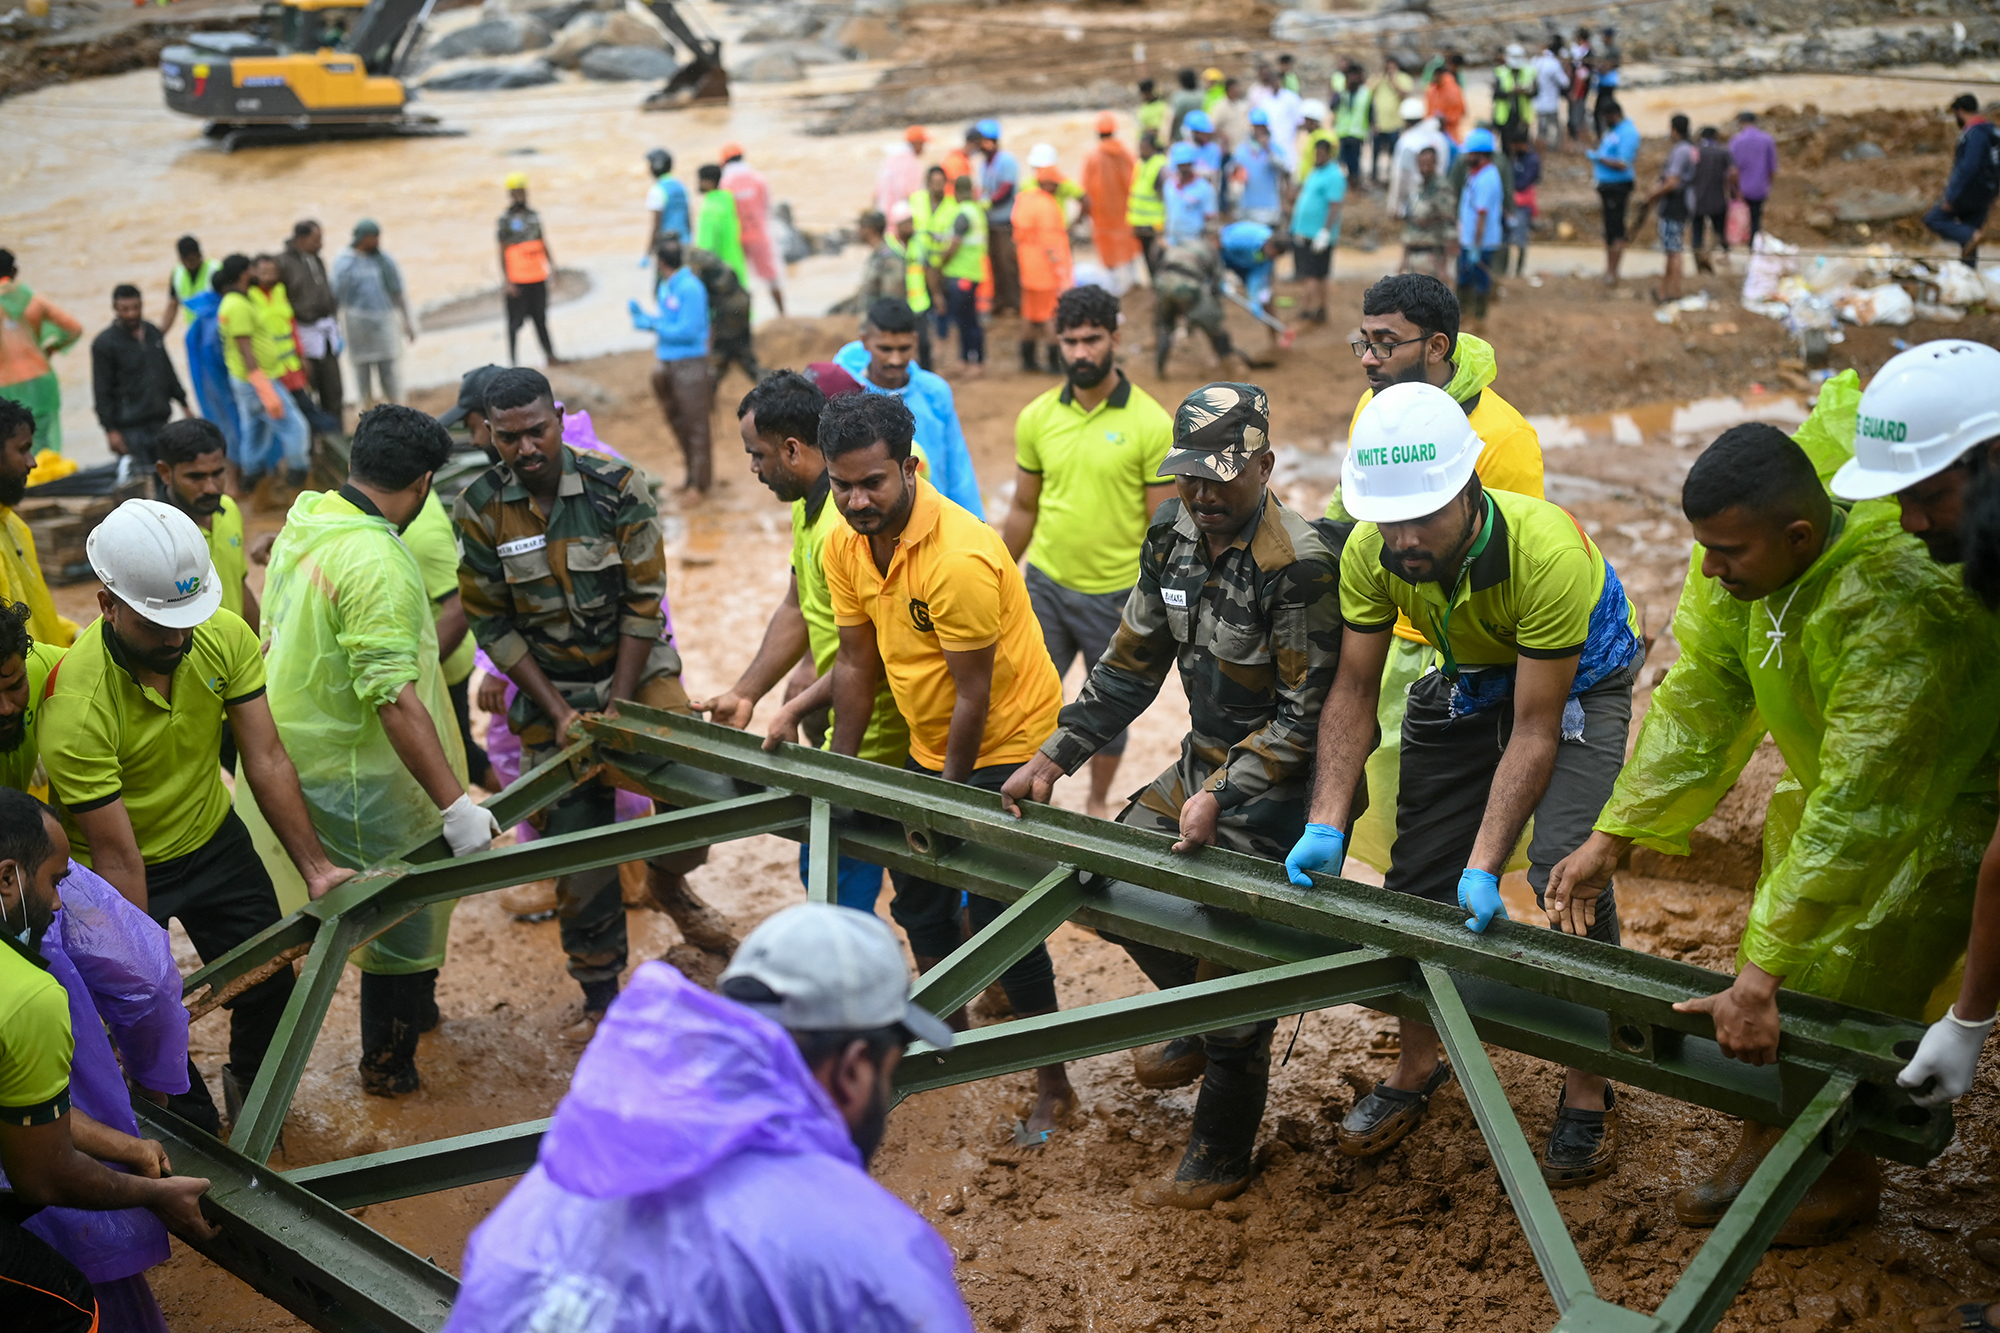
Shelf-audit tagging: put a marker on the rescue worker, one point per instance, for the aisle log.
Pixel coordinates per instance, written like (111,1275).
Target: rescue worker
(1513,95)
(192,468)
(947,621)
(727,1187)
(683,377)
(1878,679)
(433,541)
(575,644)
(130,727)
(717,226)
(1191,202)
(1087,481)
(54,1154)
(1107,182)
(753,215)
(526,265)
(1146,205)
(24,672)
(912,245)
(1536,647)
(358,693)
(880,360)
(1188,284)
(1042,255)
(779,422)
(999,184)
(667,202)
(958,252)
(20,567)
(1409,335)
(1243,594)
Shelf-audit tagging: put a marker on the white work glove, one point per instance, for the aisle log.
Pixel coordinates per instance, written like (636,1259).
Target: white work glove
(1948,1053)
(1323,241)
(469,827)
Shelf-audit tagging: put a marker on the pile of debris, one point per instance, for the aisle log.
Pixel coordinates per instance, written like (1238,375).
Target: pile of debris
(1813,296)
(791,37)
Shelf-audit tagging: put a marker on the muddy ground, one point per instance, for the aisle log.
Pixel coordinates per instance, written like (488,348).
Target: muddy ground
(1053,1240)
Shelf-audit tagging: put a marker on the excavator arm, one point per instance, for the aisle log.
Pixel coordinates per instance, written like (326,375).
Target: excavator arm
(702,78)
(378,34)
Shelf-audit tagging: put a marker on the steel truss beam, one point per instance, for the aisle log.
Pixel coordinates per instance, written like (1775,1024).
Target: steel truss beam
(1537,991)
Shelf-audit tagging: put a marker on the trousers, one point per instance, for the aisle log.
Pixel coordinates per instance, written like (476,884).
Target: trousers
(685,390)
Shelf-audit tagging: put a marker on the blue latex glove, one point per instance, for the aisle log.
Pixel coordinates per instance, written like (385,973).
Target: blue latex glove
(1322,847)
(1479,894)
(637,310)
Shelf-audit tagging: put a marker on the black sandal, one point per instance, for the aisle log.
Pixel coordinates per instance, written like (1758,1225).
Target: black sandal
(1386,1116)
(1583,1145)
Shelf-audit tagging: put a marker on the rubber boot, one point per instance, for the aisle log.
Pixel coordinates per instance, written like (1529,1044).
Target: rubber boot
(1227,1113)
(393,1009)
(1170,1064)
(701,925)
(1847,1193)
(1703,1203)
(1028,365)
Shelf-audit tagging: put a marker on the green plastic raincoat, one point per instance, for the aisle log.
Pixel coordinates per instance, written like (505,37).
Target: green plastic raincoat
(346,626)
(1878,677)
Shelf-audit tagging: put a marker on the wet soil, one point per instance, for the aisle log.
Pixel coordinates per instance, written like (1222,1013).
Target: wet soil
(1052,1239)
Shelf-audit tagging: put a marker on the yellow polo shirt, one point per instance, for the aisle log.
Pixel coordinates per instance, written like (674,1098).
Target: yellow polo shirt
(434,542)
(1095,467)
(950,586)
(815,517)
(105,737)
(225,548)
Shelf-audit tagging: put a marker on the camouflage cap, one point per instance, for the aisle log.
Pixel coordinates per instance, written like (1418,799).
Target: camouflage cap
(1218,430)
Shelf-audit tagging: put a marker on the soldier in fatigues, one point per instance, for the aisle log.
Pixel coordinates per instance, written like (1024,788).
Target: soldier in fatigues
(1187,284)
(1244,595)
(561,573)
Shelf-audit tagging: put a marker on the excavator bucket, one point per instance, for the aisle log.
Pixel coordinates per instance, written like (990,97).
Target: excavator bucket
(693,84)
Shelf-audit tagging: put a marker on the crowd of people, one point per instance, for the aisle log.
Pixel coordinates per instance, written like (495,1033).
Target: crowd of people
(1440,660)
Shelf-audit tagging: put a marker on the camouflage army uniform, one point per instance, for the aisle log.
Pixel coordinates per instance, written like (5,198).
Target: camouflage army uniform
(1185,285)
(728,315)
(566,589)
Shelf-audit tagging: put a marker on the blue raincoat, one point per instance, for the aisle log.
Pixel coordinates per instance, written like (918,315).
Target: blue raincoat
(929,399)
(207,368)
(697,1179)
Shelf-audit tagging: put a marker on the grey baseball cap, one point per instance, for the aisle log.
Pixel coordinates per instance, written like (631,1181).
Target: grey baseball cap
(820,968)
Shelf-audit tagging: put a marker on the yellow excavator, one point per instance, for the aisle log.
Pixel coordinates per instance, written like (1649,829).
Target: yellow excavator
(328,69)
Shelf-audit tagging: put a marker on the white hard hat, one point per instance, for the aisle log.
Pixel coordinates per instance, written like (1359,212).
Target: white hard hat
(1516,53)
(1412,108)
(1919,415)
(1412,450)
(1313,109)
(1042,155)
(154,559)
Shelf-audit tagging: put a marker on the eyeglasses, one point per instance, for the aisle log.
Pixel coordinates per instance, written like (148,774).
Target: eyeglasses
(1383,351)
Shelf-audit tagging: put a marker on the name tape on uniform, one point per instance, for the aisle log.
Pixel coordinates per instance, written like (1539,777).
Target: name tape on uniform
(523,545)
(1174,596)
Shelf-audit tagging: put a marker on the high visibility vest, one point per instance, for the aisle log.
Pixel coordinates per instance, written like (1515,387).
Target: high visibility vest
(970,261)
(1351,121)
(1144,206)
(186,284)
(916,286)
(1510,87)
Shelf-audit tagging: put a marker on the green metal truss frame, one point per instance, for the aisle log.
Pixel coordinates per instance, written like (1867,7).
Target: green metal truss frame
(1559,997)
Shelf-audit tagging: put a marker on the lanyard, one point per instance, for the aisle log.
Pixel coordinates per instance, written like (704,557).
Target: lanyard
(1451,596)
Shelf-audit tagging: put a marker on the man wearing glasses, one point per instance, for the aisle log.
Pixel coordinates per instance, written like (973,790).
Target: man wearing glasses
(1409,334)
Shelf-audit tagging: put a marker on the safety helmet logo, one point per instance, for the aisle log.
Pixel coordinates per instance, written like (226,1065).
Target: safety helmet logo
(1881,428)
(187,587)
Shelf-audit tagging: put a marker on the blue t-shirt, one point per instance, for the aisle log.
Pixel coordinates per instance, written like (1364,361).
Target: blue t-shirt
(1243,251)
(1482,191)
(669,198)
(1002,170)
(1188,208)
(1621,144)
(1208,157)
(1260,178)
(1324,188)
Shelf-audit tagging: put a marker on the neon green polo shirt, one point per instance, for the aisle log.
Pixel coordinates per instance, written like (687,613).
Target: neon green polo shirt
(1528,591)
(434,542)
(814,519)
(36,1044)
(20,767)
(1095,467)
(105,737)
(225,548)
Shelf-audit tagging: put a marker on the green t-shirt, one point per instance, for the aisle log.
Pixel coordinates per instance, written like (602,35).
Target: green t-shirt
(967,223)
(20,768)
(36,1043)
(1095,467)
(1528,590)
(104,737)
(814,519)
(434,541)
(225,548)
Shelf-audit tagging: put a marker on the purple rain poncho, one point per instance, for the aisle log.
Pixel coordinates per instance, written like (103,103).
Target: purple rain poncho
(697,1179)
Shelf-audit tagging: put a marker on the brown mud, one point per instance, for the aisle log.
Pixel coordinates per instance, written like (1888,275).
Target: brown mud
(1053,1240)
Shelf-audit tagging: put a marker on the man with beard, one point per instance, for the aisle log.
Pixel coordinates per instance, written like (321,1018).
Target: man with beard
(55,1154)
(1878,679)
(192,466)
(928,596)
(130,727)
(708,1169)
(24,671)
(561,574)
(1242,594)
(20,567)
(1410,335)
(1525,715)
(779,421)
(1087,457)
(133,383)
(881,361)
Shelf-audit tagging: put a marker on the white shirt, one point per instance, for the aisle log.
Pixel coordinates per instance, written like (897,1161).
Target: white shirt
(1282,107)
(1550,81)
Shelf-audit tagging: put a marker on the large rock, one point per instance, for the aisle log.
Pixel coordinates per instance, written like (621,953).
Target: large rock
(588,31)
(645,63)
(776,65)
(868,37)
(1875,205)
(785,24)
(491,78)
(506,35)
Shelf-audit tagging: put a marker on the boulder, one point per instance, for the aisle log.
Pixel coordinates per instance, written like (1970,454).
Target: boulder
(1875,205)
(1863,152)
(493,78)
(507,35)
(776,65)
(579,35)
(868,37)
(811,53)
(644,63)
(785,24)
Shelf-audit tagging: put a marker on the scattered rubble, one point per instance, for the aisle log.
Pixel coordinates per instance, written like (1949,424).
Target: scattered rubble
(643,63)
